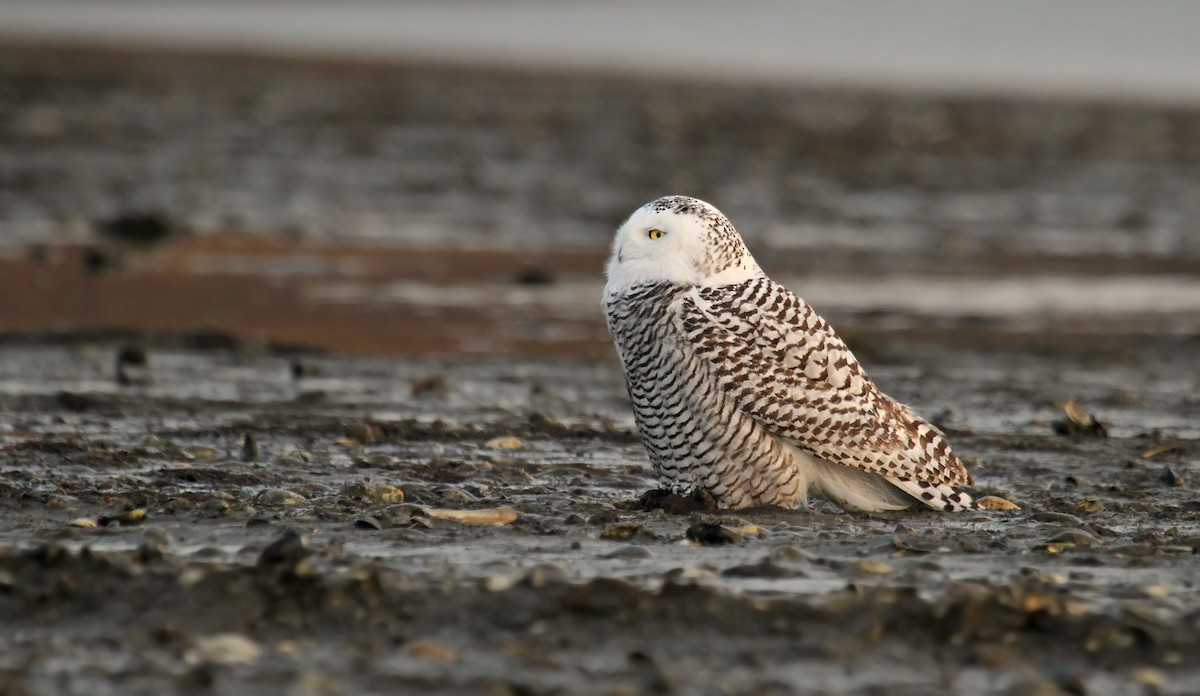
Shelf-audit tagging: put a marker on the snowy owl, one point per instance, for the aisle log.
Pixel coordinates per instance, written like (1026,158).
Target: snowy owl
(740,389)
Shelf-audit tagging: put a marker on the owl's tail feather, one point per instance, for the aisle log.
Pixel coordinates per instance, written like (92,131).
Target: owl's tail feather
(948,499)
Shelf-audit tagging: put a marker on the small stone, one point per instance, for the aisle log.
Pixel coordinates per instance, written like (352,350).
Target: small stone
(133,367)
(286,551)
(762,569)
(138,228)
(545,574)
(177,505)
(153,545)
(991,502)
(870,566)
(709,534)
(1149,676)
(500,583)
(368,522)
(430,650)
(1079,423)
(1134,550)
(429,386)
(376,461)
(1156,591)
(1077,537)
(277,497)
(789,554)
(58,502)
(1059,517)
(310,683)
(361,433)
(129,518)
(373,493)
(604,517)
(626,532)
(216,507)
(312,490)
(508,442)
(224,649)
(204,454)
(249,448)
(84,522)
(630,553)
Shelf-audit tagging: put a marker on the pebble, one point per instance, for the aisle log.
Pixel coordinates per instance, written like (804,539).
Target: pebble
(58,502)
(225,649)
(373,493)
(358,434)
(1156,591)
(677,575)
(278,497)
(630,553)
(508,442)
(455,495)
(177,505)
(1135,550)
(312,490)
(368,522)
(626,532)
(1149,676)
(128,518)
(545,574)
(1059,517)
(216,507)
(376,461)
(762,569)
(430,651)
(153,545)
(500,583)
(204,454)
(286,551)
(789,554)
(430,385)
(604,517)
(1077,537)
(1171,477)
(991,502)
(709,534)
(249,448)
(84,522)
(870,566)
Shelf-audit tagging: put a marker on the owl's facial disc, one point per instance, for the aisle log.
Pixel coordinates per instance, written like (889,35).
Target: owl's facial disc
(677,240)
(658,245)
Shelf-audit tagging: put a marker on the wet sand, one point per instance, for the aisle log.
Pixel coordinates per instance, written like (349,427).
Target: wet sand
(1091,582)
(317,384)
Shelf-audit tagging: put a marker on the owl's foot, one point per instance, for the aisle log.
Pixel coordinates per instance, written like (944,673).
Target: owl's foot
(676,504)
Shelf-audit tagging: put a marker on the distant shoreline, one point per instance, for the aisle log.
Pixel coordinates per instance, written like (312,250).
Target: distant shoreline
(1101,50)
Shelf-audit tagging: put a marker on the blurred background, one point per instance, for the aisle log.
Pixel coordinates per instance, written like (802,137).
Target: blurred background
(443,179)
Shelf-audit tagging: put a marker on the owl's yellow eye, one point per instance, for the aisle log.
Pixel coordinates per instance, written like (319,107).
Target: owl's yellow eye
(656,234)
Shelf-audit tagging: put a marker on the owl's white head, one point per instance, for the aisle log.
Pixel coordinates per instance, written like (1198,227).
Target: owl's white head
(679,240)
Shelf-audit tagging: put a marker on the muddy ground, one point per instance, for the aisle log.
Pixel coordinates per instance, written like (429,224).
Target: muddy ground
(220,451)
(1090,586)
